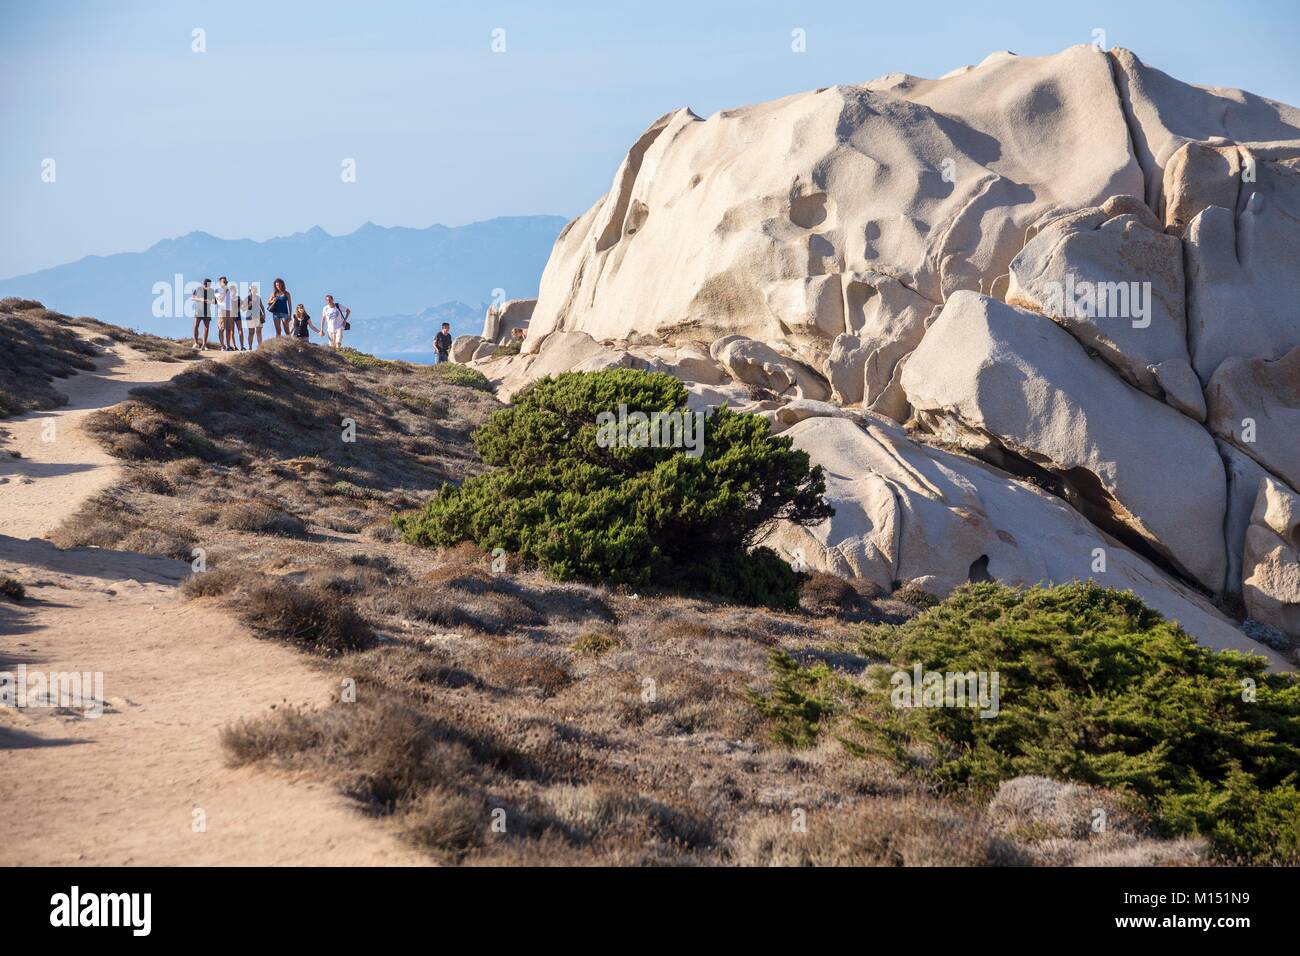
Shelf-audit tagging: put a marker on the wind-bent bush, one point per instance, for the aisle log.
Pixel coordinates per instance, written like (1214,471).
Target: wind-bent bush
(626,512)
(1094,687)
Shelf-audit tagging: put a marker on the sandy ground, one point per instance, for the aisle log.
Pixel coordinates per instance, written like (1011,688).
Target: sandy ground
(145,782)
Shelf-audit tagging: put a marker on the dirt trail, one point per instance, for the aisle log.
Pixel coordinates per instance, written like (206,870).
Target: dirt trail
(124,787)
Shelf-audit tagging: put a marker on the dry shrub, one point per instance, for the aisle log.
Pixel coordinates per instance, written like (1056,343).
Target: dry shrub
(259,518)
(884,831)
(134,431)
(384,754)
(215,582)
(467,554)
(823,593)
(521,671)
(185,468)
(339,523)
(570,602)
(350,580)
(447,822)
(12,589)
(88,528)
(154,481)
(205,516)
(281,736)
(492,611)
(413,669)
(171,544)
(603,814)
(309,617)
(915,595)
(1068,824)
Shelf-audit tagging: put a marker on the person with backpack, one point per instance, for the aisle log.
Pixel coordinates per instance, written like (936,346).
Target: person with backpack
(442,343)
(334,321)
(256,313)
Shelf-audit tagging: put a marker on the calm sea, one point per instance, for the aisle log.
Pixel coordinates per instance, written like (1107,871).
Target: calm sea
(420,358)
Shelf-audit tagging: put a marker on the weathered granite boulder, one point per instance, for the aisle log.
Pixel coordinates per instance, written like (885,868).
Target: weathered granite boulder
(1255,404)
(906,511)
(1271,560)
(1019,390)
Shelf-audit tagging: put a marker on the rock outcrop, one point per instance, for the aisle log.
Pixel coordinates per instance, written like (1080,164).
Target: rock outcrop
(1271,559)
(938,253)
(1255,404)
(1016,388)
(504,318)
(909,512)
(1079,269)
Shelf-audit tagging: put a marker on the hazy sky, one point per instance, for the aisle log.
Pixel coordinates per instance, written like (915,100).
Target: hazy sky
(152,140)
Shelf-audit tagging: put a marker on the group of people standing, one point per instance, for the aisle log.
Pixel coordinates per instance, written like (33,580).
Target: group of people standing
(237,314)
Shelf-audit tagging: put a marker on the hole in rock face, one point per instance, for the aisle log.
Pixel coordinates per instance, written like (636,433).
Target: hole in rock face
(979,570)
(636,217)
(808,212)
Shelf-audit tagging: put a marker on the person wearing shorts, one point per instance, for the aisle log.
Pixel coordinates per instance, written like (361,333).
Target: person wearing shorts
(256,315)
(205,301)
(333,321)
(280,305)
(226,314)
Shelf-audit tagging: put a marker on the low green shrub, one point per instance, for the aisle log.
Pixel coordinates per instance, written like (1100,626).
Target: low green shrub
(1094,687)
(623,512)
(453,373)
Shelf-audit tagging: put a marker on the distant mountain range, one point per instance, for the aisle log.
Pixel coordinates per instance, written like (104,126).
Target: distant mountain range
(388,276)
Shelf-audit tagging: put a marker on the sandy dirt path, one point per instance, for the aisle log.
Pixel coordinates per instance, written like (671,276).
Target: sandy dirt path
(60,465)
(145,782)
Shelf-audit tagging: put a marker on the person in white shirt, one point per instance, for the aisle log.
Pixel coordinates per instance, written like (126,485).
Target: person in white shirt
(333,320)
(226,314)
(254,315)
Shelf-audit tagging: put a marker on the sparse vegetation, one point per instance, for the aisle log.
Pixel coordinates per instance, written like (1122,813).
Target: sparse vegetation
(260,518)
(38,346)
(595,643)
(915,595)
(592,510)
(11,589)
(1094,687)
(611,725)
(453,373)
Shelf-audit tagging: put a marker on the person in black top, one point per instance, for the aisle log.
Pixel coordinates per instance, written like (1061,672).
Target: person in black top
(205,301)
(442,343)
(301,327)
(280,305)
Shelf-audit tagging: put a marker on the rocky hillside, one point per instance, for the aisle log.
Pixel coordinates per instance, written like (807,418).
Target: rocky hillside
(1036,318)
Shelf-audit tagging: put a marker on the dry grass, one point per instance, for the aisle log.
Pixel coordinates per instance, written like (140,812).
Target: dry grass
(907,831)
(39,346)
(501,718)
(259,518)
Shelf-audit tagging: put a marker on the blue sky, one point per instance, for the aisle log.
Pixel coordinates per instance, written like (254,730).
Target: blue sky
(152,140)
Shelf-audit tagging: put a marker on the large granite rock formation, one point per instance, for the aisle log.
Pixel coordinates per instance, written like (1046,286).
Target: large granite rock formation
(1074,268)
